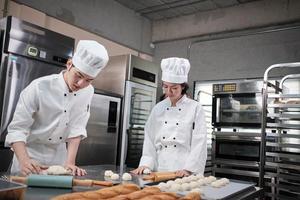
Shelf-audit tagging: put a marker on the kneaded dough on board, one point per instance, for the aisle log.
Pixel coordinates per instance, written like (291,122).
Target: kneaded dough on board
(57,170)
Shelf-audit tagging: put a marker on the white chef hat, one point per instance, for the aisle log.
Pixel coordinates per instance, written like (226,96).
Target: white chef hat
(90,57)
(175,70)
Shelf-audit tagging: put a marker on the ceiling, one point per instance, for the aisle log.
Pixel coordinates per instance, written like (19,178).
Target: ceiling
(164,9)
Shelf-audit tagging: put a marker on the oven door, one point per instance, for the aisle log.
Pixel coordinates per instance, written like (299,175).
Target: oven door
(237,148)
(241,110)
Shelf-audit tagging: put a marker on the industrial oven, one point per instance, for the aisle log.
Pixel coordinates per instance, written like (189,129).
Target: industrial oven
(236,121)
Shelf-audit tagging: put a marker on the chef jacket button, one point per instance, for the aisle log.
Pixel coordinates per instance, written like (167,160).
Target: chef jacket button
(60,137)
(174,145)
(166,146)
(166,122)
(167,108)
(49,139)
(179,109)
(176,123)
(74,94)
(65,111)
(164,137)
(66,124)
(65,94)
(174,138)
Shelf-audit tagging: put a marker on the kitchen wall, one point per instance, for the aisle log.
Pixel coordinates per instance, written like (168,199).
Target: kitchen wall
(39,18)
(106,18)
(235,42)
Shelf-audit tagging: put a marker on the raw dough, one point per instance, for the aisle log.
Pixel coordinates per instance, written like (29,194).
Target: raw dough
(57,170)
(200,176)
(212,178)
(193,184)
(170,183)
(193,178)
(178,180)
(162,186)
(115,177)
(175,188)
(127,177)
(108,173)
(185,187)
(201,182)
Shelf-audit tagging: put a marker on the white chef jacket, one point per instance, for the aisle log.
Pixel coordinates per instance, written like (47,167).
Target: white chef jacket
(175,137)
(47,114)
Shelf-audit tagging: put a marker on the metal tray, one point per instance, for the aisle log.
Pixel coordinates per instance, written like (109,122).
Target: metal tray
(11,190)
(210,193)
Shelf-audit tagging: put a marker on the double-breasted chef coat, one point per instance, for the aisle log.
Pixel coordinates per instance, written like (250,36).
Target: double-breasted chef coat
(175,137)
(46,115)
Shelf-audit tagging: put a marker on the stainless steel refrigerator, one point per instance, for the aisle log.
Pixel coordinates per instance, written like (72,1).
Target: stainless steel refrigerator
(135,79)
(100,147)
(27,52)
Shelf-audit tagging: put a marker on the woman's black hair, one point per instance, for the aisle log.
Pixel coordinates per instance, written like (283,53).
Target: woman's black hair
(185,87)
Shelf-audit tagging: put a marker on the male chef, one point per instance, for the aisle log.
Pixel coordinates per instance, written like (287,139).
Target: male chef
(52,113)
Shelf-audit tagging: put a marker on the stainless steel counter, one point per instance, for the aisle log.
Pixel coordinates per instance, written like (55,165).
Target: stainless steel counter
(96,172)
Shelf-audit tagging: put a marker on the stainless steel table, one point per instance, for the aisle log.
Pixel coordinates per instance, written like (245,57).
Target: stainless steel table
(97,172)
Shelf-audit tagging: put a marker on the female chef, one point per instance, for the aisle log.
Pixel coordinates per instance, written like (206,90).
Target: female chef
(175,133)
(53,111)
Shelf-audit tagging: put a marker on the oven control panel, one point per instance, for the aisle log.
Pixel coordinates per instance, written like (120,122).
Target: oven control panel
(227,87)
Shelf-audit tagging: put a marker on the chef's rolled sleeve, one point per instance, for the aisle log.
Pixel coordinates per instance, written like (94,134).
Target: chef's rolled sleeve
(78,126)
(197,158)
(19,128)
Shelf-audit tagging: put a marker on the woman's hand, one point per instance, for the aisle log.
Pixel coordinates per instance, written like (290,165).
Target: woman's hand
(76,171)
(183,172)
(139,170)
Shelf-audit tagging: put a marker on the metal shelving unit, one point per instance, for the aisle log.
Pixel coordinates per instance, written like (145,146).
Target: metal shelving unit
(280,146)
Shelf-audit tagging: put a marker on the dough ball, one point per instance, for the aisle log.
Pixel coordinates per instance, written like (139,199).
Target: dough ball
(175,188)
(170,183)
(201,182)
(146,171)
(193,184)
(163,186)
(185,180)
(216,184)
(200,176)
(127,177)
(225,180)
(108,173)
(193,178)
(206,180)
(212,178)
(185,187)
(189,178)
(115,177)
(57,170)
(178,180)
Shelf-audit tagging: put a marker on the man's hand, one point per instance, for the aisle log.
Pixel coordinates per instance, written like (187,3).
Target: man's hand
(183,172)
(29,166)
(76,171)
(139,170)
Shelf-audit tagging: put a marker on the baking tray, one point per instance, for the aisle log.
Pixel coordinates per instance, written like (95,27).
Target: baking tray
(210,193)
(11,190)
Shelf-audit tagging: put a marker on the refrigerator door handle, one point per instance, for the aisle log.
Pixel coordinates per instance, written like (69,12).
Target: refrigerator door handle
(112,117)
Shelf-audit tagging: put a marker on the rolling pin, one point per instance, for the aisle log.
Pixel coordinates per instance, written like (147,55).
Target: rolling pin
(36,180)
(160,176)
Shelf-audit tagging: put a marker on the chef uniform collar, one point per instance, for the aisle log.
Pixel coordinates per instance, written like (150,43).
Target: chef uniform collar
(180,101)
